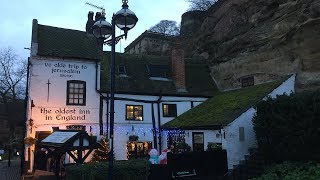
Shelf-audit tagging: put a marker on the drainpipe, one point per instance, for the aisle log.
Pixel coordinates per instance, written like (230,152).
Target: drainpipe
(100,115)
(154,127)
(107,116)
(25,115)
(97,76)
(159,121)
(101,105)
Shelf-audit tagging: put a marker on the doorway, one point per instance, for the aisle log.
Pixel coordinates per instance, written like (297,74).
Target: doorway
(198,141)
(41,158)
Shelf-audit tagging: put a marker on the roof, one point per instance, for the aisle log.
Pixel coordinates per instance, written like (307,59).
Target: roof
(198,79)
(222,108)
(66,43)
(151,35)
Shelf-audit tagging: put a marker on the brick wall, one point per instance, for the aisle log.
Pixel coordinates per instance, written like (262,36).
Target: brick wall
(178,68)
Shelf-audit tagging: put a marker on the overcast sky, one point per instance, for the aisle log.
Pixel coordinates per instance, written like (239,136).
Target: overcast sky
(16,17)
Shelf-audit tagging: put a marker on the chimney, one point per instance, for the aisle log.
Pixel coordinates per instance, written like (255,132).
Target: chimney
(90,22)
(98,16)
(178,66)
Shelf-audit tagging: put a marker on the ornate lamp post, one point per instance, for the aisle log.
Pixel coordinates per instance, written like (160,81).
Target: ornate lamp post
(124,19)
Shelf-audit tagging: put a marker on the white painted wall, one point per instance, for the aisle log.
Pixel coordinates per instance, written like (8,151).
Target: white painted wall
(236,149)
(47,113)
(123,127)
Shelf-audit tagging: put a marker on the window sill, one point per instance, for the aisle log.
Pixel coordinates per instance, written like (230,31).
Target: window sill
(123,75)
(159,79)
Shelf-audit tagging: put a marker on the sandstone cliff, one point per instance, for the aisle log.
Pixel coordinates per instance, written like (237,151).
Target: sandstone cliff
(267,39)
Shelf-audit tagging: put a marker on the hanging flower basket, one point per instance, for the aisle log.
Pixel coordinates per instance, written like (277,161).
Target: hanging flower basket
(30,141)
(133,138)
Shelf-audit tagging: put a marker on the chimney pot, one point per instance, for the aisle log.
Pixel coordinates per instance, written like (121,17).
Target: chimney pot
(90,22)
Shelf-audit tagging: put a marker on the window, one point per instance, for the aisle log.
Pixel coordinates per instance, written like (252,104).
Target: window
(76,93)
(247,81)
(122,70)
(169,110)
(134,112)
(241,134)
(138,149)
(158,71)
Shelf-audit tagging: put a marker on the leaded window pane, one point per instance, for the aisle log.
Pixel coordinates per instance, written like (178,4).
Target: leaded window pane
(76,93)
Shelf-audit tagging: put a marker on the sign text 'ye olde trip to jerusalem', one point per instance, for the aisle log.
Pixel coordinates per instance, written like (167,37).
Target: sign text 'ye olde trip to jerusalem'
(65,69)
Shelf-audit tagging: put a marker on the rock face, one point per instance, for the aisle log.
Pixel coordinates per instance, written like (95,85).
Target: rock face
(266,39)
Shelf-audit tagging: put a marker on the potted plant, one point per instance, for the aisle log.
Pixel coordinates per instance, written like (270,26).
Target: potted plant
(183,147)
(30,141)
(133,138)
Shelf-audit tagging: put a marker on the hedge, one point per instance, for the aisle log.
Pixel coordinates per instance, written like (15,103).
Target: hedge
(288,127)
(135,169)
(292,171)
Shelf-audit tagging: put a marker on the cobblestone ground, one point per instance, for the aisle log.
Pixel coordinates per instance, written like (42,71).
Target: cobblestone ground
(12,172)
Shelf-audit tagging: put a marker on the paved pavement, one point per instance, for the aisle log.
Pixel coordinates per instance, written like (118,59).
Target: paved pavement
(12,172)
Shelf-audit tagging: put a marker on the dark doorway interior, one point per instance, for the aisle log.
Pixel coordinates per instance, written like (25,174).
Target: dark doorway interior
(40,158)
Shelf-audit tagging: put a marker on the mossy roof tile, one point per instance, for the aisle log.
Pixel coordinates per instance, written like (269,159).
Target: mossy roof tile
(222,108)
(66,43)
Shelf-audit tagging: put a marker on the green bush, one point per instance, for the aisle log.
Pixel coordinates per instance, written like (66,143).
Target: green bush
(288,127)
(183,147)
(213,146)
(135,169)
(292,171)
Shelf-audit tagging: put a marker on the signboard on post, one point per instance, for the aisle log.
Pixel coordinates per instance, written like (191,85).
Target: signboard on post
(59,137)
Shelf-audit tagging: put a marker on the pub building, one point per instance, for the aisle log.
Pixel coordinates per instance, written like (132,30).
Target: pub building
(69,89)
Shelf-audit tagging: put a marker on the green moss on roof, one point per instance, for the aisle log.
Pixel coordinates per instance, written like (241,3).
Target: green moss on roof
(198,80)
(222,108)
(66,43)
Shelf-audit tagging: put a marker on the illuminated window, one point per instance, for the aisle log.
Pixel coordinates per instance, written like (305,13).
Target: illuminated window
(138,149)
(134,112)
(169,110)
(247,81)
(76,93)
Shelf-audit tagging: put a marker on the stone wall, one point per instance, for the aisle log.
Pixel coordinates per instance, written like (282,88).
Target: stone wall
(268,39)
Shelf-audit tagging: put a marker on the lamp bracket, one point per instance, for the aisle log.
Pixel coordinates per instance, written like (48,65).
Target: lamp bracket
(117,39)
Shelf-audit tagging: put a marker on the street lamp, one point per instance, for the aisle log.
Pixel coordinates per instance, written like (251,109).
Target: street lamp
(124,19)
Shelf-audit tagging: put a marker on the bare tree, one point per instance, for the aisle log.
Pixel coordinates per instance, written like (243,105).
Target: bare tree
(12,74)
(201,5)
(166,27)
